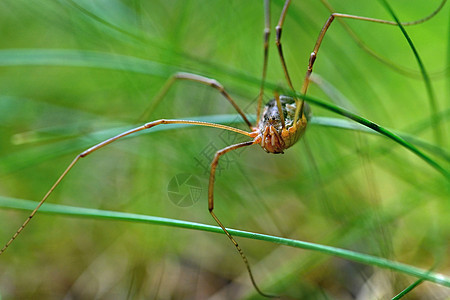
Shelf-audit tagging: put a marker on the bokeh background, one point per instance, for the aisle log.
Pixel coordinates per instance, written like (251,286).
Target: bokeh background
(336,187)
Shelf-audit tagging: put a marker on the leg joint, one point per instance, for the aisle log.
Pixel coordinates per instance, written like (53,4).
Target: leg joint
(215,84)
(312,59)
(278,31)
(180,75)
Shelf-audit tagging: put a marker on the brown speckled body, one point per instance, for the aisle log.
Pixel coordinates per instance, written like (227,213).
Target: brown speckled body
(275,138)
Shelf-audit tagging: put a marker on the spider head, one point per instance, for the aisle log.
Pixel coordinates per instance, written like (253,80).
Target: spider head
(274,137)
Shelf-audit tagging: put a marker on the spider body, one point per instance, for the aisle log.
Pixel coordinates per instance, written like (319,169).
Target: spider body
(280,131)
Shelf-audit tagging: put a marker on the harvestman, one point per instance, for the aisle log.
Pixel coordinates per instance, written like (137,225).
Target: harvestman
(280,125)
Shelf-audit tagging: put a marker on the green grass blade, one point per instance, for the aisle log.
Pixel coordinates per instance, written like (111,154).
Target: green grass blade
(339,99)
(377,128)
(408,289)
(77,58)
(345,124)
(97,17)
(425,76)
(127,63)
(28,157)
(39,153)
(130,217)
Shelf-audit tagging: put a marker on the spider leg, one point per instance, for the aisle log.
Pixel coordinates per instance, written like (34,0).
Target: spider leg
(197,78)
(279,29)
(331,18)
(370,51)
(266,56)
(107,142)
(214,164)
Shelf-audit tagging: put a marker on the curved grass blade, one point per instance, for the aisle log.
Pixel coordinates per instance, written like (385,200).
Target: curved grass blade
(127,63)
(389,63)
(375,127)
(130,217)
(26,158)
(408,289)
(99,17)
(90,59)
(345,124)
(339,99)
(431,97)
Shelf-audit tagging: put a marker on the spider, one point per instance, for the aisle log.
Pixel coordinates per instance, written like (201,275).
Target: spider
(280,123)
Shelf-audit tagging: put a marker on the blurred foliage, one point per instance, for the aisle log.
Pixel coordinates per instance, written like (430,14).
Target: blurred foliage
(337,187)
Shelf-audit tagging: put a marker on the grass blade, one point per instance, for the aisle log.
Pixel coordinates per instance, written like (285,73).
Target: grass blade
(408,289)
(127,63)
(130,217)
(426,78)
(77,58)
(343,112)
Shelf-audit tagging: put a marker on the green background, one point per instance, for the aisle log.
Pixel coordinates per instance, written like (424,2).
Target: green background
(336,187)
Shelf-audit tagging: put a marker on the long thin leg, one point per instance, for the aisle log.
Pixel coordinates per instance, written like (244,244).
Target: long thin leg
(313,55)
(197,78)
(379,57)
(279,29)
(266,56)
(109,141)
(211,205)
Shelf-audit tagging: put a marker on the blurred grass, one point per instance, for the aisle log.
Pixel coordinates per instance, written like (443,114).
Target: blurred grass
(356,191)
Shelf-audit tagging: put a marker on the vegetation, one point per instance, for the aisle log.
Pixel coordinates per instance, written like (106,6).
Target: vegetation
(75,72)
